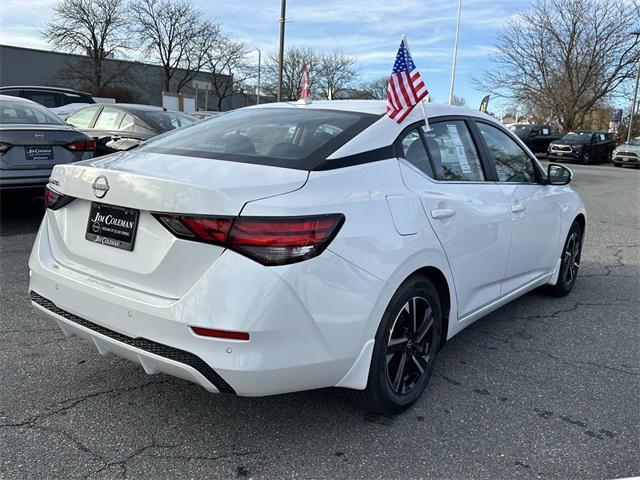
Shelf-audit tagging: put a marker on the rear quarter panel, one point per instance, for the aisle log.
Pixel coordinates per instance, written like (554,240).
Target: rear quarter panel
(368,239)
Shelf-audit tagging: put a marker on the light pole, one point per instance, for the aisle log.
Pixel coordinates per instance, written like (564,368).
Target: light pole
(455,54)
(635,96)
(259,63)
(283,10)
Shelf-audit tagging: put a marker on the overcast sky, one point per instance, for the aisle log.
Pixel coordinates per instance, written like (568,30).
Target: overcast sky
(369,30)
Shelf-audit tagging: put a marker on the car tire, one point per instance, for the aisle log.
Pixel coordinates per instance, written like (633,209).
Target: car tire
(617,164)
(405,349)
(586,158)
(609,157)
(570,264)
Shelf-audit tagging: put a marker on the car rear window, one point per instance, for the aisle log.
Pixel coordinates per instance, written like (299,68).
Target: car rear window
(286,137)
(22,112)
(165,121)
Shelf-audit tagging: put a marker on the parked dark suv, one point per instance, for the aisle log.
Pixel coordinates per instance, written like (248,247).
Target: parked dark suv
(536,137)
(583,146)
(50,97)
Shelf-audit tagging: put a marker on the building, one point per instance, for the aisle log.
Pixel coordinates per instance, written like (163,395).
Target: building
(134,82)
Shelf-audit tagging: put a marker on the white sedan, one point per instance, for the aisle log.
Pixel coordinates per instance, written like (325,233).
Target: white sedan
(288,247)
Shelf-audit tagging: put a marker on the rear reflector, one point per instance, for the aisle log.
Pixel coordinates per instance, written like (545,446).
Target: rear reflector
(267,240)
(54,200)
(212,332)
(83,146)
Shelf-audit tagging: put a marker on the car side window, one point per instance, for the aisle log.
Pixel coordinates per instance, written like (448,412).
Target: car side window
(82,118)
(109,119)
(414,152)
(127,123)
(48,99)
(453,153)
(511,161)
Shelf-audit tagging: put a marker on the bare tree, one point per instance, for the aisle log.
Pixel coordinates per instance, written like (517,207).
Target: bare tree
(335,73)
(459,101)
(228,68)
(176,35)
(96,29)
(294,59)
(562,58)
(379,88)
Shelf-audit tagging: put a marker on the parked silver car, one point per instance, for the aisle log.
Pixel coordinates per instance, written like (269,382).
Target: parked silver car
(33,140)
(628,154)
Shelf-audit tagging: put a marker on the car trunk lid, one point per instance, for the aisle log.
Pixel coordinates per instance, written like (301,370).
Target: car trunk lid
(159,263)
(34,147)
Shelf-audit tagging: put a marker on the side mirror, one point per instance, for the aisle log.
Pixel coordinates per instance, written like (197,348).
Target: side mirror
(558,174)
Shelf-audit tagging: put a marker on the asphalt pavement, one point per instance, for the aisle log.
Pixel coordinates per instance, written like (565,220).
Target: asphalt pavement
(542,388)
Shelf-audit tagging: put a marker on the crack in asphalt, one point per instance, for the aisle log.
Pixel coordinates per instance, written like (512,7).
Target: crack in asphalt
(618,257)
(141,452)
(75,401)
(509,339)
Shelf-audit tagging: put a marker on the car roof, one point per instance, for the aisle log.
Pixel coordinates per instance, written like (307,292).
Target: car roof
(375,107)
(41,87)
(384,131)
(133,107)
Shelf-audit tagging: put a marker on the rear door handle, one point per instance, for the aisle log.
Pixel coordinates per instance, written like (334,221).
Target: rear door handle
(517,208)
(440,213)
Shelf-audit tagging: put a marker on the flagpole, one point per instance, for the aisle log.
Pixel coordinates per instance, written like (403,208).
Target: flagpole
(424,112)
(455,54)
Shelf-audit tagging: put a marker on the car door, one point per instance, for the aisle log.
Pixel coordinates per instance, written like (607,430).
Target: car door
(534,212)
(466,210)
(595,148)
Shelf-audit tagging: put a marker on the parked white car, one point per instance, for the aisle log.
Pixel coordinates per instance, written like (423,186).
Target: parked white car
(288,247)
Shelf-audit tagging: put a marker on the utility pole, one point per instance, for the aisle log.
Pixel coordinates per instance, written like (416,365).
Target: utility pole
(259,63)
(635,97)
(283,11)
(455,54)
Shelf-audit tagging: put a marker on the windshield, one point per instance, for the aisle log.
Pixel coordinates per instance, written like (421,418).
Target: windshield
(165,121)
(21,112)
(582,136)
(289,137)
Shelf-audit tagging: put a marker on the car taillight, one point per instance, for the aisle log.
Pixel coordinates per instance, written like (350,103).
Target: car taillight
(267,240)
(55,200)
(82,146)
(4,147)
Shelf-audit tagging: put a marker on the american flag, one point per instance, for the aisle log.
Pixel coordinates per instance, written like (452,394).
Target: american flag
(406,88)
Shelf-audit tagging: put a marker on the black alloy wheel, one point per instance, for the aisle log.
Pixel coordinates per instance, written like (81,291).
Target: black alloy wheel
(571,259)
(408,350)
(405,348)
(570,262)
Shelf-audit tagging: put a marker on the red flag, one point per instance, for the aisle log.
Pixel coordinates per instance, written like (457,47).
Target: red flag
(304,94)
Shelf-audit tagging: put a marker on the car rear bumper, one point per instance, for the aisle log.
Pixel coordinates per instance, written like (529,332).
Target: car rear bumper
(152,356)
(19,179)
(289,348)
